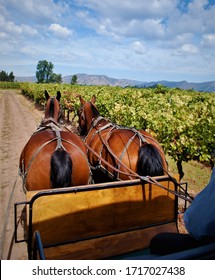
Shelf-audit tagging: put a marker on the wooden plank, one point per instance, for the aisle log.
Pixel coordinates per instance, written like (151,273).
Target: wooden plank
(109,246)
(72,216)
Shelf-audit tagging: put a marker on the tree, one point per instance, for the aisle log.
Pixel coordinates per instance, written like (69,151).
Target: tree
(44,71)
(56,78)
(11,77)
(74,80)
(5,77)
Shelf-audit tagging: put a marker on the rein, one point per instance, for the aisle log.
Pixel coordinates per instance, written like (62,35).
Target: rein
(143,178)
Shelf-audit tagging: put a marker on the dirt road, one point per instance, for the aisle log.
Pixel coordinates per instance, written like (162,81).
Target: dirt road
(18,120)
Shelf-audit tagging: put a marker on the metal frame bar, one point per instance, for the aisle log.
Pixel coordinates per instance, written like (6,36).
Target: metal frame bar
(186,187)
(16,222)
(38,246)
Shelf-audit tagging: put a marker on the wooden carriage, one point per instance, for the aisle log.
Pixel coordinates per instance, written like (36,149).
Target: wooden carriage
(99,221)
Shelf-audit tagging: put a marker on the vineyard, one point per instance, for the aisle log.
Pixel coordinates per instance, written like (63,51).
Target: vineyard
(181,120)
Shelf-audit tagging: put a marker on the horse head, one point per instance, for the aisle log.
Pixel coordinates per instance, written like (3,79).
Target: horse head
(52,109)
(87,114)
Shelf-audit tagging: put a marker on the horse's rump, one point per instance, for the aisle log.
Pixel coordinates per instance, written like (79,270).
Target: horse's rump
(121,148)
(35,160)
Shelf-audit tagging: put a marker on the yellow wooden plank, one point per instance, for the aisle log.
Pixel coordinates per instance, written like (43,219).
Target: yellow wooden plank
(71,216)
(109,246)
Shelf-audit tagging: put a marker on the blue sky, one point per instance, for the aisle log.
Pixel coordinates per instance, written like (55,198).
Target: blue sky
(135,39)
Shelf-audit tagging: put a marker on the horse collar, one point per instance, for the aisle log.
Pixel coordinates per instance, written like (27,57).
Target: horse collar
(95,121)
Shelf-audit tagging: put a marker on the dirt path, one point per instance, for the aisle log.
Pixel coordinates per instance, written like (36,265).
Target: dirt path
(18,120)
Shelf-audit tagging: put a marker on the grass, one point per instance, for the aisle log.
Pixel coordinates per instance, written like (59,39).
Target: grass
(196,175)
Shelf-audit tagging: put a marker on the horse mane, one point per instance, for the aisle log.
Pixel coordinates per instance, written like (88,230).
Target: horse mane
(94,110)
(51,108)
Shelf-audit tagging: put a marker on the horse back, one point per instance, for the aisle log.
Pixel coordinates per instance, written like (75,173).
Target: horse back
(120,147)
(35,158)
(111,145)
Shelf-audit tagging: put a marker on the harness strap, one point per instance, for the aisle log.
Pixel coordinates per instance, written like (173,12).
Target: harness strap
(126,147)
(80,150)
(108,164)
(143,178)
(24,175)
(95,122)
(105,144)
(55,127)
(123,152)
(59,142)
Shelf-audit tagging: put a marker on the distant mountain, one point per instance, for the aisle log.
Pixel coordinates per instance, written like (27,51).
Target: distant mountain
(30,79)
(85,79)
(204,86)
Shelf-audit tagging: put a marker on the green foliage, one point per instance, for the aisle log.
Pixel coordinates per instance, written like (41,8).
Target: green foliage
(56,78)
(11,85)
(5,77)
(74,80)
(45,73)
(182,121)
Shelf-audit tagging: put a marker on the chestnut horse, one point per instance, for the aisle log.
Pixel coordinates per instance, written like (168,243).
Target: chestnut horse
(116,152)
(53,157)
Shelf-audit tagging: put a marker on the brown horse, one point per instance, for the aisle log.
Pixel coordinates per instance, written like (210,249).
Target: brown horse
(116,152)
(53,157)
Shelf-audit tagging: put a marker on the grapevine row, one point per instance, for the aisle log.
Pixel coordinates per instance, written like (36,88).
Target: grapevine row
(181,120)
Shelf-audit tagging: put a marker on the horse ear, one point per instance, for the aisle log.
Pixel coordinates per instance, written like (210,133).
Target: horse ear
(47,95)
(82,100)
(93,99)
(58,95)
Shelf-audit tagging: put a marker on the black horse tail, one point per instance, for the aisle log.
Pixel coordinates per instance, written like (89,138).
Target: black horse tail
(149,161)
(61,169)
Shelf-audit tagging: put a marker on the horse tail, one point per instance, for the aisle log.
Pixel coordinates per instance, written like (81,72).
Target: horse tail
(61,169)
(149,161)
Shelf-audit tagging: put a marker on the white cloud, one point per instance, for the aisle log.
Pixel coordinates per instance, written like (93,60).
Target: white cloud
(10,28)
(131,19)
(189,48)
(197,20)
(149,28)
(139,47)
(148,20)
(60,30)
(28,10)
(186,50)
(128,10)
(208,40)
